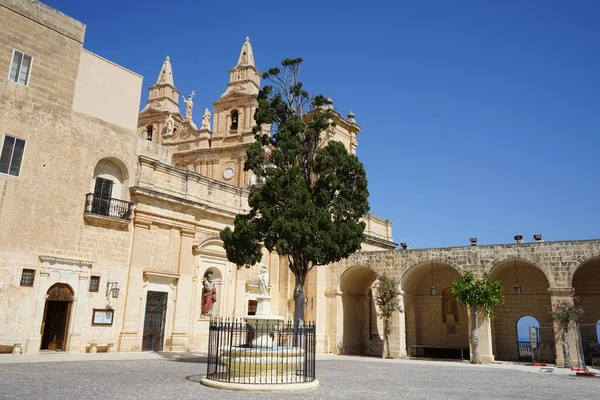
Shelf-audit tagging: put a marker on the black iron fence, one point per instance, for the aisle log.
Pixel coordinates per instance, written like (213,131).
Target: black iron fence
(264,352)
(108,207)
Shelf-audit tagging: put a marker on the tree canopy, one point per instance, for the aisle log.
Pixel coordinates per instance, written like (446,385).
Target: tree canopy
(314,191)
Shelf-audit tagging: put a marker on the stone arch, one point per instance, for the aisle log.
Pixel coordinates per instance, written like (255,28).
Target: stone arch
(432,321)
(531,260)
(115,170)
(585,281)
(358,318)
(530,300)
(580,262)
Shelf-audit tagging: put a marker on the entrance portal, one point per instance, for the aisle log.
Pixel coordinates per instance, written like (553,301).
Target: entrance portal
(56,317)
(154,322)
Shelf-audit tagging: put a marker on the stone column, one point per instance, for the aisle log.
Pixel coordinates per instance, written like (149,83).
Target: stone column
(130,338)
(185,289)
(335,320)
(320,310)
(559,294)
(486,351)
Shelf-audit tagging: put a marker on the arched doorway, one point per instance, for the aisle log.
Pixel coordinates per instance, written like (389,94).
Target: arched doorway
(436,326)
(524,324)
(586,284)
(361,325)
(57,312)
(529,299)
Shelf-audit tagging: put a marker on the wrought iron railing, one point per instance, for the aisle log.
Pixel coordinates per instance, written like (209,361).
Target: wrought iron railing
(525,350)
(232,357)
(108,207)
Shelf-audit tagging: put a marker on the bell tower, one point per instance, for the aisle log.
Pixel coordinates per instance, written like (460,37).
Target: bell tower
(160,117)
(234,111)
(163,95)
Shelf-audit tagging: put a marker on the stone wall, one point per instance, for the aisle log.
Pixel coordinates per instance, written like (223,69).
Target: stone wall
(543,270)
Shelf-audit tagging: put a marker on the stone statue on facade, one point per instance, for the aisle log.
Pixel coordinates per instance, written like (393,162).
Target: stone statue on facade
(209,294)
(169,124)
(206,120)
(263,281)
(189,105)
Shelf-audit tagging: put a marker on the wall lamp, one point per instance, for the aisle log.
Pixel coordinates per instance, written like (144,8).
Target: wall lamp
(112,289)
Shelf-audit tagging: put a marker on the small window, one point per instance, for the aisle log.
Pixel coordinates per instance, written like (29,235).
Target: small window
(20,68)
(12,155)
(27,277)
(94,283)
(149,130)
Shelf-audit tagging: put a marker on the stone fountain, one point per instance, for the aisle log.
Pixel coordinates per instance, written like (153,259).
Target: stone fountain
(262,364)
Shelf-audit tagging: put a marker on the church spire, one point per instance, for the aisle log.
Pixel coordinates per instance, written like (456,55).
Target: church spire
(166,73)
(244,77)
(163,95)
(246,54)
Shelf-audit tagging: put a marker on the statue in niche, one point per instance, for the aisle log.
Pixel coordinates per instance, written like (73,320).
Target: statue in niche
(209,294)
(263,281)
(449,307)
(206,120)
(189,105)
(169,124)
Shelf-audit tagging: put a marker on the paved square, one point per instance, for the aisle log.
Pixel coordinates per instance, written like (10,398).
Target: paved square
(176,376)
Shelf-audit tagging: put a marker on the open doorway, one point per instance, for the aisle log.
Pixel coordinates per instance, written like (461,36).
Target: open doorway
(56,317)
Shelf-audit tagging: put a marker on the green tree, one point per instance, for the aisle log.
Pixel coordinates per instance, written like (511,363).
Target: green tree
(386,298)
(566,314)
(477,294)
(314,191)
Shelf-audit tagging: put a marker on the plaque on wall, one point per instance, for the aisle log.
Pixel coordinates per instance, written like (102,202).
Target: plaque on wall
(102,317)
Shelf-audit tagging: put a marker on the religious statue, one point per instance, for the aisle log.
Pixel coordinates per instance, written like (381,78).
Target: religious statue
(189,105)
(206,120)
(169,123)
(209,294)
(263,281)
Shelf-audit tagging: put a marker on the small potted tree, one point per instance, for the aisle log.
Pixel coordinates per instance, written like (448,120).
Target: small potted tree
(386,298)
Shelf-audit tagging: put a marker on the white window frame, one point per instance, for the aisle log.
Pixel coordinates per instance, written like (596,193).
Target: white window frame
(11,155)
(15,51)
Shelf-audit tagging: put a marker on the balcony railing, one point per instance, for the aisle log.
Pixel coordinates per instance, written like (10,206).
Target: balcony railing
(108,207)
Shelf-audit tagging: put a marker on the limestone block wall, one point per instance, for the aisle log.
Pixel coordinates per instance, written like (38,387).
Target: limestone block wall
(546,272)
(42,210)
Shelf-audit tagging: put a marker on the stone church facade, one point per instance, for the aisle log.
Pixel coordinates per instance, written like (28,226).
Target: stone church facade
(110,218)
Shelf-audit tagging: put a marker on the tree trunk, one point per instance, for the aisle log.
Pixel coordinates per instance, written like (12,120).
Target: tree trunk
(386,339)
(474,335)
(564,330)
(299,300)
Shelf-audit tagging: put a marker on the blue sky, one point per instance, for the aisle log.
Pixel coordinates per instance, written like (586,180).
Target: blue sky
(480,118)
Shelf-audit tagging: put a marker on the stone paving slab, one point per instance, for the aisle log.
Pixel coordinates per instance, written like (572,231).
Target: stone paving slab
(177,376)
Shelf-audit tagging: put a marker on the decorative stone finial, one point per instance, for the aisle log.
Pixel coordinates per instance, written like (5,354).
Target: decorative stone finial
(350,117)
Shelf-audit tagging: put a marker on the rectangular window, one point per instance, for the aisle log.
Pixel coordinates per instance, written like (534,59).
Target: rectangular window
(11,156)
(27,277)
(94,283)
(20,68)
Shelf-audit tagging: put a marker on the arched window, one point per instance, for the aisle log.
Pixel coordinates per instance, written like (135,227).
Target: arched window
(149,130)
(109,190)
(234,120)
